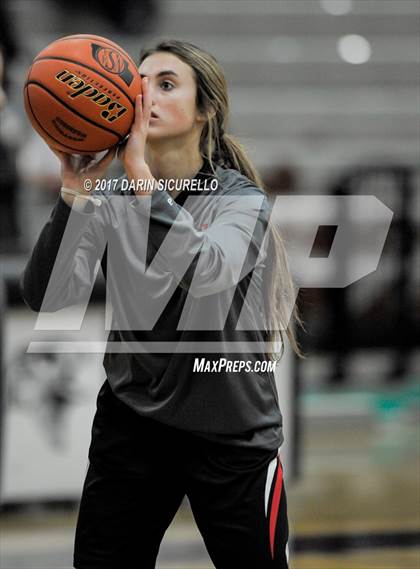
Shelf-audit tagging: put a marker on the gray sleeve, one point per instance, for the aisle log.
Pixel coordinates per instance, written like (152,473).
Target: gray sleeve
(207,262)
(61,268)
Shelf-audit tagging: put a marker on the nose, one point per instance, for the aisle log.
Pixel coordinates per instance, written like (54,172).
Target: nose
(153,107)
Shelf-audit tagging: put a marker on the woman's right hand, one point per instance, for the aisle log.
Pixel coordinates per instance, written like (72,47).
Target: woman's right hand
(80,172)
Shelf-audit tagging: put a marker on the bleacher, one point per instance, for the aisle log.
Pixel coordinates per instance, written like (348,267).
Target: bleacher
(293,98)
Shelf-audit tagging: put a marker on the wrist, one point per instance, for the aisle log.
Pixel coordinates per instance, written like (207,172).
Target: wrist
(141,172)
(76,199)
(138,171)
(69,200)
(78,184)
(73,202)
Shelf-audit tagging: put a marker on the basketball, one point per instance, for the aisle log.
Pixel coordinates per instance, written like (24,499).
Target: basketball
(80,93)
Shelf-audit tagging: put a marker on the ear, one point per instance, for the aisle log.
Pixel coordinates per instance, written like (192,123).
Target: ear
(205,116)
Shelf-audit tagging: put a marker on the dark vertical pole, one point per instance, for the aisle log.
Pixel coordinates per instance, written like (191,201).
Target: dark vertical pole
(404,260)
(340,317)
(2,372)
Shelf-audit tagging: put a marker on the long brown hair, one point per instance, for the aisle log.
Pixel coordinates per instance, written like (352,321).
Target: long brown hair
(220,148)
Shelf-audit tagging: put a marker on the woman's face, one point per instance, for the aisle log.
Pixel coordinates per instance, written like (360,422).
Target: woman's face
(173,91)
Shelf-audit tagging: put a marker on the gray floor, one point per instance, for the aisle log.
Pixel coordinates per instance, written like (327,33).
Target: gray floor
(351,466)
(45,541)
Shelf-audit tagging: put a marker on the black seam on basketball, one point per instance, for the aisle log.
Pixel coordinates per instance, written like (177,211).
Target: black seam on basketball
(74,150)
(74,110)
(87,67)
(98,38)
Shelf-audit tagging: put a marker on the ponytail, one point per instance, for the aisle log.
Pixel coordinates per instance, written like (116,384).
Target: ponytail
(279,290)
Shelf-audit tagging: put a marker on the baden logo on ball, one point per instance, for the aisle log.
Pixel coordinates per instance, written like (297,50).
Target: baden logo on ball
(112,111)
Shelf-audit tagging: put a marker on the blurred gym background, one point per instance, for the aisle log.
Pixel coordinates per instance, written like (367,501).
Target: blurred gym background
(325,96)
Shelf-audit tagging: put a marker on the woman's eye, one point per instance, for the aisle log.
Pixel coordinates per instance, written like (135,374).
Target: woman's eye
(166,85)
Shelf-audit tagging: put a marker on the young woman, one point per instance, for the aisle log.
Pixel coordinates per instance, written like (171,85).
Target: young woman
(171,423)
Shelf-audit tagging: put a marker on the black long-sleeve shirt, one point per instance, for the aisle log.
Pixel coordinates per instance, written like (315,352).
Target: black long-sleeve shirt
(184,279)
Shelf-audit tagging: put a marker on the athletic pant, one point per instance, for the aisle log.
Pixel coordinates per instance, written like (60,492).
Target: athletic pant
(139,472)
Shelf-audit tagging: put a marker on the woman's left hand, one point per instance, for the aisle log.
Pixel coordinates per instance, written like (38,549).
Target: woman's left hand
(132,151)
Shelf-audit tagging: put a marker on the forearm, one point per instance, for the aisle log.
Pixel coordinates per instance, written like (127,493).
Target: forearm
(140,171)
(36,276)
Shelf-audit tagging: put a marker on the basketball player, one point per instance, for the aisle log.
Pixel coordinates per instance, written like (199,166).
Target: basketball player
(163,428)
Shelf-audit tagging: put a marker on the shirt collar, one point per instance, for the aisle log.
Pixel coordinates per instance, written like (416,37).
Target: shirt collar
(205,174)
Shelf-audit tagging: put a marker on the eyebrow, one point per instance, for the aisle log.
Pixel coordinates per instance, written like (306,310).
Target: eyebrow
(161,73)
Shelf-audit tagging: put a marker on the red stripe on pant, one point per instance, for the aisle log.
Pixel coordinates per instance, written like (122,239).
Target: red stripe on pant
(275,505)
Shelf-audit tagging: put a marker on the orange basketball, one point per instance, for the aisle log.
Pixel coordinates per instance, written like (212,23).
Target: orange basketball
(80,93)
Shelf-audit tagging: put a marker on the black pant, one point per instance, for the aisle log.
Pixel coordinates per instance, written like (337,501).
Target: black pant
(139,472)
